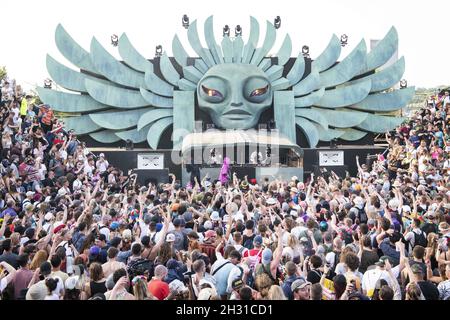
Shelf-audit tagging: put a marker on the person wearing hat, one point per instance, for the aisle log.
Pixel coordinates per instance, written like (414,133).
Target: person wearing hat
(270,262)
(416,275)
(383,270)
(301,289)
(102,164)
(254,255)
(37,290)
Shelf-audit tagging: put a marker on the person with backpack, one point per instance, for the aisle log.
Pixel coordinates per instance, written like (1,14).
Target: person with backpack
(225,271)
(415,236)
(249,235)
(269,262)
(255,253)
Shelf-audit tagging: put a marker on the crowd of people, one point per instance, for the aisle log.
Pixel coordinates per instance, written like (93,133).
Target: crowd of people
(74,227)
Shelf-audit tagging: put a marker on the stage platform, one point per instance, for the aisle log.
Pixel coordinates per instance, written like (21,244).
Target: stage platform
(128,159)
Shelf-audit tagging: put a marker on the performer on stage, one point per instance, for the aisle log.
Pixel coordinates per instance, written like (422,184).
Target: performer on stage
(214,158)
(224,175)
(256,157)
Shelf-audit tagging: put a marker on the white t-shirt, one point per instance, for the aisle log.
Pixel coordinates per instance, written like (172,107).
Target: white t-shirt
(371,277)
(145,228)
(102,166)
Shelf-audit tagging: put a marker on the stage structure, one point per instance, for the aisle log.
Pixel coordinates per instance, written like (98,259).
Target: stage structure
(231,86)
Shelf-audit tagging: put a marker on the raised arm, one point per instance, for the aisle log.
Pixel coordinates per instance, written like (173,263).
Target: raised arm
(279,251)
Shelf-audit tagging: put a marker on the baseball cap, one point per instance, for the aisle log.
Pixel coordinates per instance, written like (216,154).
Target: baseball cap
(215,216)
(258,240)
(210,234)
(114,225)
(271,201)
(30,193)
(382,260)
(94,250)
(208,225)
(170,237)
(237,284)
(299,284)
(266,256)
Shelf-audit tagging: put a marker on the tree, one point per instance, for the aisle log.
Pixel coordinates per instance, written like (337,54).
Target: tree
(3,72)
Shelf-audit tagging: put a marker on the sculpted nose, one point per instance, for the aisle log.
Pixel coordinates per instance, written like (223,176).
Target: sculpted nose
(234,104)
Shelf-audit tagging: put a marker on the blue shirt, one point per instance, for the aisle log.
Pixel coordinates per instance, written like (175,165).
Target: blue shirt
(387,249)
(221,276)
(287,286)
(9,211)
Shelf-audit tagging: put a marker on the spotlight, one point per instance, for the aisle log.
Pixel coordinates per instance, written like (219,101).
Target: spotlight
(115,40)
(403,84)
(277,22)
(185,21)
(158,51)
(48,83)
(238,31)
(344,40)
(226,31)
(305,51)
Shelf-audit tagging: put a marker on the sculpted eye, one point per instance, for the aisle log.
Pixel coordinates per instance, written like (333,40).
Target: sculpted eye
(259,92)
(212,92)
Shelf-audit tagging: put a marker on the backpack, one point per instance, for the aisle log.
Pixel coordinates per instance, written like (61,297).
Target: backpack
(140,267)
(248,242)
(347,236)
(362,216)
(420,239)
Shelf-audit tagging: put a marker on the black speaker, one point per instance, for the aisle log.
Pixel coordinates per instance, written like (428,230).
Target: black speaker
(144,177)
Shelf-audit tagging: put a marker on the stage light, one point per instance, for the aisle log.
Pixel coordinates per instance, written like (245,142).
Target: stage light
(238,31)
(185,21)
(305,51)
(344,40)
(226,31)
(277,22)
(403,84)
(115,40)
(158,51)
(48,83)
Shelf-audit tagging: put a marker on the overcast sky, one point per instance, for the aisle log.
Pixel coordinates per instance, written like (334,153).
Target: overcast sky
(29,26)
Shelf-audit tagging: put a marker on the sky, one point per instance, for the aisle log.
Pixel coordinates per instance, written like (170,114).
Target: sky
(31,28)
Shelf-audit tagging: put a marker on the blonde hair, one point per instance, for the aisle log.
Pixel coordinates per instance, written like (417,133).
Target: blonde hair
(140,290)
(263,284)
(292,241)
(39,257)
(276,293)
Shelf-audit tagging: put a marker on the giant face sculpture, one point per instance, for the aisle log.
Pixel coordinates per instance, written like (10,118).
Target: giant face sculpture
(235,81)
(234,95)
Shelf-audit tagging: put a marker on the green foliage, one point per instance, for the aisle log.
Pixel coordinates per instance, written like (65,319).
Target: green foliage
(3,72)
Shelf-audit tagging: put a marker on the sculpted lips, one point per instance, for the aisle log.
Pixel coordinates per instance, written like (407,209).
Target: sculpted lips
(237,112)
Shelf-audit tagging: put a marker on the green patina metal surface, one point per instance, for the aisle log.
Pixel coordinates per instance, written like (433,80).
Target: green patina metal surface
(134,102)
